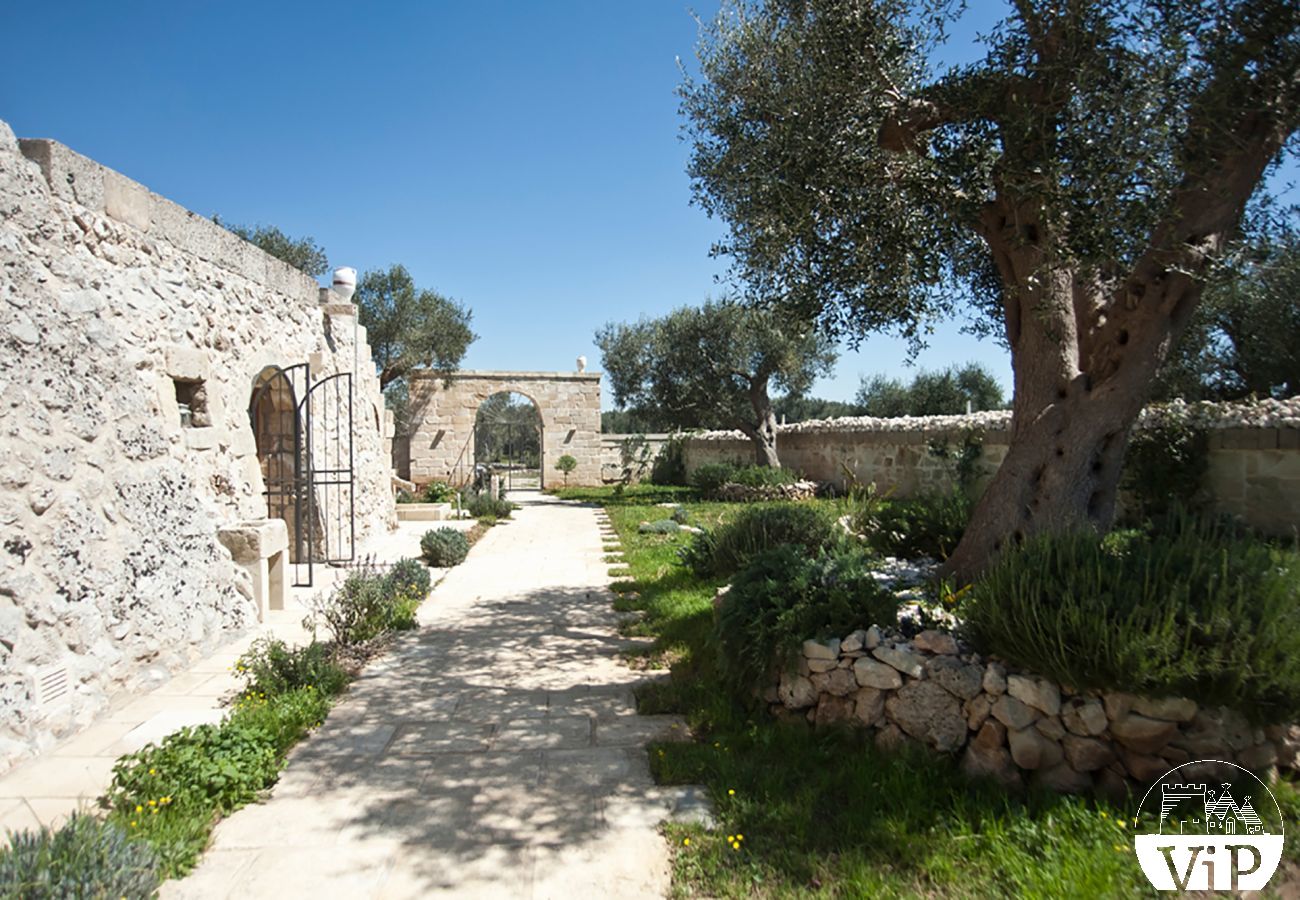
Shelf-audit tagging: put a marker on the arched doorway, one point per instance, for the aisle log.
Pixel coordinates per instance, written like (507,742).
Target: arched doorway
(508,440)
(302,429)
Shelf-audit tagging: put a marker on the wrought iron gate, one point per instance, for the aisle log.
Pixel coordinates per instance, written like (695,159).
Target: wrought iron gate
(304,442)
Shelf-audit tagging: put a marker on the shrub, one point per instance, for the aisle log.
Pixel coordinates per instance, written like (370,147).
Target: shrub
(708,478)
(484,504)
(1165,465)
(444,547)
(358,609)
(437,492)
(928,525)
(755,529)
(1191,609)
(681,516)
(272,667)
(487,521)
(669,466)
(409,577)
(662,526)
(87,857)
(786,596)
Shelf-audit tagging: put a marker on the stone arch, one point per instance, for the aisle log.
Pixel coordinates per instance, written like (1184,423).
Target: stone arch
(279,440)
(441,437)
(483,431)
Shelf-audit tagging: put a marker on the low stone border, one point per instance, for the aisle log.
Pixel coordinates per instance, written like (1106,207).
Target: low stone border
(1010,725)
(744,493)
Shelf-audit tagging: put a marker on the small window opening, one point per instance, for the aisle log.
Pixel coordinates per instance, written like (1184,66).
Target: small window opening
(192,400)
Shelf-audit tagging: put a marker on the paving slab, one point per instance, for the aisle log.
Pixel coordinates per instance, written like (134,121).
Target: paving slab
(496,752)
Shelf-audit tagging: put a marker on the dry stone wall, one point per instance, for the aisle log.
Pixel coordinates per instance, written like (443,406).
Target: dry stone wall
(117,305)
(1009,725)
(1254,460)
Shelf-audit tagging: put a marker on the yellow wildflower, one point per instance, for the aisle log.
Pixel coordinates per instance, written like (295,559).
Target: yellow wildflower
(139,808)
(686,842)
(731,792)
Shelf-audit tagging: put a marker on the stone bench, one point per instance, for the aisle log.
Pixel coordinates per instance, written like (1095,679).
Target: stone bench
(261,547)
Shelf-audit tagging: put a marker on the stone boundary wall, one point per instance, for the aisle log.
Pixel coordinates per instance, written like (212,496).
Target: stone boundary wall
(1254,464)
(1013,726)
(115,305)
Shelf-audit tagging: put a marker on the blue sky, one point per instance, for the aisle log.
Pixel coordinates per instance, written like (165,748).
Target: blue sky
(523,158)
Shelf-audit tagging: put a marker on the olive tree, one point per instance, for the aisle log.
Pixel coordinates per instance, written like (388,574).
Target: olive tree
(1074,185)
(713,366)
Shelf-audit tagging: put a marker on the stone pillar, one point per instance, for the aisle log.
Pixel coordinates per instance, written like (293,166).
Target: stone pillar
(261,547)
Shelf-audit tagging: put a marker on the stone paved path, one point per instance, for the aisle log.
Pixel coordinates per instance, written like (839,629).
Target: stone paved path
(494,753)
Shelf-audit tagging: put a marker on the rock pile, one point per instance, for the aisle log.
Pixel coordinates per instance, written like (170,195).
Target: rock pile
(1011,725)
(744,493)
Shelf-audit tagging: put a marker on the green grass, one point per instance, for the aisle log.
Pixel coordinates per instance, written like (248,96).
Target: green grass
(823,814)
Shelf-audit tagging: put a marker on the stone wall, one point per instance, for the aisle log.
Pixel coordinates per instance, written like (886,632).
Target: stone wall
(115,306)
(1010,725)
(441,445)
(1254,465)
(611,454)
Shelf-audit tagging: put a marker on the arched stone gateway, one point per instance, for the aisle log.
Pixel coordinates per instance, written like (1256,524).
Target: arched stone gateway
(441,441)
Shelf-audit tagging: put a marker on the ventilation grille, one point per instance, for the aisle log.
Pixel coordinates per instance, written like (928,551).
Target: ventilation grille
(52,686)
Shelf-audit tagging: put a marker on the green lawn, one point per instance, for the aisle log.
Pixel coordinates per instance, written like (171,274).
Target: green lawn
(823,813)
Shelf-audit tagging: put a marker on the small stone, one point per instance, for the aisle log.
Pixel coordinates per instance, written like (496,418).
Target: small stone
(854,642)
(837,682)
(905,661)
(1087,754)
(1144,768)
(1031,750)
(832,711)
(1012,713)
(1039,693)
(869,705)
(977,710)
(1171,709)
(877,675)
(822,665)
(1063,779)
(1258,758)
(929,713)
(1174,755)
(1051,728)
(872,640)
(936,642)
(1084,717)
(995,679)
(1141,734)
(796,691)
(987,757)
(819,650)
(1118,704)
(952,675)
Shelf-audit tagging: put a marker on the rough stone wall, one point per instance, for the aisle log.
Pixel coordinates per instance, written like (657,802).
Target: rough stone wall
(441,446)
(1015,726)
(110,569)
(1254,460)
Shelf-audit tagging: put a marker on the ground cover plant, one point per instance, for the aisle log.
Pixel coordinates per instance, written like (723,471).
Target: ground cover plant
(805,813)
(444,547)
(730,546)
(1191,608)
(930,524)
(86,857)
(708,479)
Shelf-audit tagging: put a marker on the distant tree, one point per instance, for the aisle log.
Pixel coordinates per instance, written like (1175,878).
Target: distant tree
(566,464)
(804,409)
(633,421)
(1244,338)
(714,365)
(410,327)
(931,393)
(301,253)
(1072,188)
